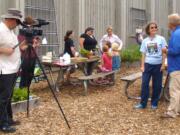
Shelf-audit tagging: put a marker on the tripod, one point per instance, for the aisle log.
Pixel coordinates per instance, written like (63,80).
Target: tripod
(51,88)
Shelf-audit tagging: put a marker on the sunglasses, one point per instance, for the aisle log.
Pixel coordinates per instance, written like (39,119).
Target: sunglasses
(153,27)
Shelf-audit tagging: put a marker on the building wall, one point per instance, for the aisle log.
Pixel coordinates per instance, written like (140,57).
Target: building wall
(161,16)
(123,15)
(67,15)
(136,16)
(80,14)
(5,4)
(176,7)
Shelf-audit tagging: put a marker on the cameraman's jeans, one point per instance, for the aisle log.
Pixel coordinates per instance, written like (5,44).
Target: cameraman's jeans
(154,72)
(6,92)
(27,72)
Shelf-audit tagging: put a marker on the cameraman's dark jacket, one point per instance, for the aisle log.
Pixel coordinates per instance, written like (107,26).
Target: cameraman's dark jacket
(28,61)
(28,53)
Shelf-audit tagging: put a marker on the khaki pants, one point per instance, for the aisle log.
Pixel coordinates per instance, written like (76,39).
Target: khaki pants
(174,88)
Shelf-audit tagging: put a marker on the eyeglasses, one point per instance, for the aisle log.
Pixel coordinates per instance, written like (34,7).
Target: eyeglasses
(155,27)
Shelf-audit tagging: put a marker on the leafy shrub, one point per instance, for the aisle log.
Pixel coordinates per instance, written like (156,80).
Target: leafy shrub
(19,94)
(131,54)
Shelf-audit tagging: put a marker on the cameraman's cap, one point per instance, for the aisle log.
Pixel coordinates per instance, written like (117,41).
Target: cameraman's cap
(13,13)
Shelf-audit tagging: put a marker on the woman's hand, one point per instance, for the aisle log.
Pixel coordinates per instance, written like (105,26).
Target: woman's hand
(162,67)
(142,68)
(142,62)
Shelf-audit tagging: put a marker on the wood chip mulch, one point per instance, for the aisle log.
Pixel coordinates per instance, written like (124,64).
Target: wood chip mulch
(104,111)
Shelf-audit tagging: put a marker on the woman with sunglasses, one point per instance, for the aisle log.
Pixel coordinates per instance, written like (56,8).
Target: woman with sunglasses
(152,65)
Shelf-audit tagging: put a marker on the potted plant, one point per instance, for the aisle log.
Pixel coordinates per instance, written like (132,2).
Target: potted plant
(19,100)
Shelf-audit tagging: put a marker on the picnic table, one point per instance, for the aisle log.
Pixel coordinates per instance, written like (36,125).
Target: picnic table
(63,66)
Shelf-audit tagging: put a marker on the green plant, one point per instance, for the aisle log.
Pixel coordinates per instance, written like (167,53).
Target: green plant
(84,52)
(131,54)
(19,94)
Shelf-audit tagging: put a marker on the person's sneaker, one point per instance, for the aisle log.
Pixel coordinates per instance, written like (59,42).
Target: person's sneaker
(7,129)
(14,122)
(166,115)
(154,107)
(139,106)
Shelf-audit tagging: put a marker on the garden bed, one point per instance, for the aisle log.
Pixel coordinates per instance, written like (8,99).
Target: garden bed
(21,106)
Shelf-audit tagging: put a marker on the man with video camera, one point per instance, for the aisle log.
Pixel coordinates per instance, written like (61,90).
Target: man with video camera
(28,55)
(9,66)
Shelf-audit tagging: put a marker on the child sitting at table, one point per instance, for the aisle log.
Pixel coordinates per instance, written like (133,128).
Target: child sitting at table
(105,66)
(116,60)
(106,60)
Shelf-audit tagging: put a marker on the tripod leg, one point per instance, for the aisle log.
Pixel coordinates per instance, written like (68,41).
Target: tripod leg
(28,92)
(53,81)
(52,91)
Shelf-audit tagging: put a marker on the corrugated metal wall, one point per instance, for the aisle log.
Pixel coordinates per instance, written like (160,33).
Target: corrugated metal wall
(123,15)
(44,9)
(161,16)
(67,15)
(5,4)
(79,14)
(99,14)
(136,17)
(176,6)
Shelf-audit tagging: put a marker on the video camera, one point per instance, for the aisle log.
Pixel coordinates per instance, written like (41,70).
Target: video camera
(29,31)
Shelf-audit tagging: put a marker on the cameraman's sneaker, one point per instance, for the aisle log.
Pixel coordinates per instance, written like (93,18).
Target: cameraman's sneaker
(139,106)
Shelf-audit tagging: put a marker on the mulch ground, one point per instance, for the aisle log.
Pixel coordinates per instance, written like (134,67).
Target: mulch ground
(104,111)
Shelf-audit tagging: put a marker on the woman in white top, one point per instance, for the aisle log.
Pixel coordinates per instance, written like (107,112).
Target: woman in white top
(111,37)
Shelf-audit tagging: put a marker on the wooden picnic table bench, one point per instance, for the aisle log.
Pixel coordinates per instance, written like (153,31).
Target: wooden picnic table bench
(130,79)
(85,79)
(64,67)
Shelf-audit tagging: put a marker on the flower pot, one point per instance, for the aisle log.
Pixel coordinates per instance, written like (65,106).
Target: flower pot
(21,106)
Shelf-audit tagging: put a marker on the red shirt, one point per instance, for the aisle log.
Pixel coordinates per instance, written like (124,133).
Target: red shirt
(107,60)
